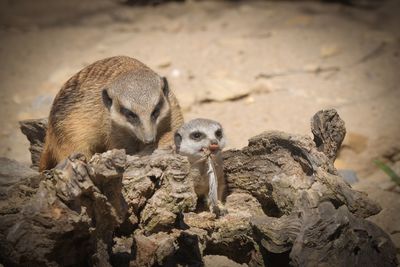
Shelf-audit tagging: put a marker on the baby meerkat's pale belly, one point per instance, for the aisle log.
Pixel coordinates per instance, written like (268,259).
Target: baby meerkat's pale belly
(201,178)
(199,174)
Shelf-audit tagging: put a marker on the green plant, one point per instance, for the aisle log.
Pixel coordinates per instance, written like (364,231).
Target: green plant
(389,171)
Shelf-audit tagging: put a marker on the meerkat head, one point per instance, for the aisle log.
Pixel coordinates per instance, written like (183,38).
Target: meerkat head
(199,134)
(138,101)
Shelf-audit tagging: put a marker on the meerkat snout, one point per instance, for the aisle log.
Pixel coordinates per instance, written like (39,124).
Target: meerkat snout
(214,146)
(138,111)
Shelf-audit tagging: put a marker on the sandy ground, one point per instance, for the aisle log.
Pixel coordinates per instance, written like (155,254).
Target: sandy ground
(252,65)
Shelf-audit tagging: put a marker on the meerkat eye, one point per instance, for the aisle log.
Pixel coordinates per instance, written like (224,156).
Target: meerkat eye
(218,133)
(197,136)
(129,115)
(157,109)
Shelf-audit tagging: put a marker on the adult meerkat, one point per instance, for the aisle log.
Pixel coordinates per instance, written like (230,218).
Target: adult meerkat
(116,102)
(200,139)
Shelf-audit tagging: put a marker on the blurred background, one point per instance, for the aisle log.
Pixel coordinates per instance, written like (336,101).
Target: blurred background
(252,65)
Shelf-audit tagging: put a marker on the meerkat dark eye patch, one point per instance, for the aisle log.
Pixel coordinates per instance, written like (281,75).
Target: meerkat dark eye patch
(218,133)
(197,136)
(106,99)
(178,141)
(157,109)
(130,116)
(165,88)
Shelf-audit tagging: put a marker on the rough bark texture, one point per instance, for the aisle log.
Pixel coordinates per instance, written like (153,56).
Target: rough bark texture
(35,131)
(286,206)
(329,131)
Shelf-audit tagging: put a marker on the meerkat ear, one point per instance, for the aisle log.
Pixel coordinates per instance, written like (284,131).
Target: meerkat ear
(106,99)
(178,141)
(165,86)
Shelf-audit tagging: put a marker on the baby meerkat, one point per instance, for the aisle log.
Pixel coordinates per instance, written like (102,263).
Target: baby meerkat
(116,102)
(202,141)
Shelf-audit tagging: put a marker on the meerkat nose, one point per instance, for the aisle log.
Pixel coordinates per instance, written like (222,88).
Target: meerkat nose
(213,145)
(213,142)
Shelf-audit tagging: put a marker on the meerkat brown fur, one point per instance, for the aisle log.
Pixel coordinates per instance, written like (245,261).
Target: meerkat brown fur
(116,102)
(192,140)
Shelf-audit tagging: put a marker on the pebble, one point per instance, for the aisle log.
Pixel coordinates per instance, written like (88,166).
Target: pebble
(164,64)
(176,73)
(329,50)
(349,176)
(223,90)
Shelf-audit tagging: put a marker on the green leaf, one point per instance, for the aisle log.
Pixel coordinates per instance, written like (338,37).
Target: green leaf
(395,177)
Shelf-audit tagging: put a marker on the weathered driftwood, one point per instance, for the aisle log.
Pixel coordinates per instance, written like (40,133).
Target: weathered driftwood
(35,131)
(286,206)
(329,131)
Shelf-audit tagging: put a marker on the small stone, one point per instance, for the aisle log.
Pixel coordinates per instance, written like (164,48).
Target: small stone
(249,100)
(262,86)
(329,50)
(164,64)
(349,176)
(176,73)
(222,90)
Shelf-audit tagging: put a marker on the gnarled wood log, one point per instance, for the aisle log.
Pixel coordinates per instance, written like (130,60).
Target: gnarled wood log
(286,206)
(35,131)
